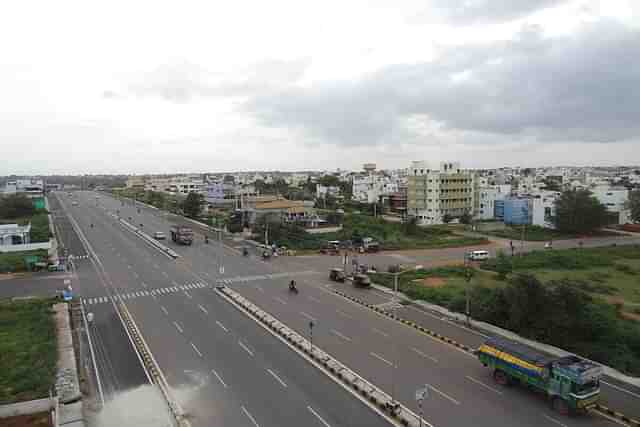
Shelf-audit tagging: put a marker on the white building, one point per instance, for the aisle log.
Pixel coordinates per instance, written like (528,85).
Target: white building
(322,191)
(542,208)
(487,197)
(369,188)
(615,199)
(30,187)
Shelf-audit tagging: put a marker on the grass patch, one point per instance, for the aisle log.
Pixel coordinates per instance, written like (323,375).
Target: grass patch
(534,233)
(608,271)
(27,350)
(15,261)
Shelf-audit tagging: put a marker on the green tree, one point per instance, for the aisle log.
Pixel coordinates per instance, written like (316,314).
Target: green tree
(329,181)
(552,184)
(503,265)
(16,206)
(192,205)
(466,218)
(578,212)
(410,227)
(634,205)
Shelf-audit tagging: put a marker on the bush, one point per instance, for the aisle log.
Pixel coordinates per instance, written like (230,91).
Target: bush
(626,269)
(15,261)
(40,228)
(599,276)
(16,206)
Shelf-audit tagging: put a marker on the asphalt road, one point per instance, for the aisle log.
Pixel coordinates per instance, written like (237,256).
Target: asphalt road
(224,368)
(110,341)
(371,344)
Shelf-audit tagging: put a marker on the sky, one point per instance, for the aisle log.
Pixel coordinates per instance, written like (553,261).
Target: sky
(141,86)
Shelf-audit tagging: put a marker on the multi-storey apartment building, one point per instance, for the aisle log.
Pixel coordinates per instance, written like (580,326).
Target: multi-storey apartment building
(434,193)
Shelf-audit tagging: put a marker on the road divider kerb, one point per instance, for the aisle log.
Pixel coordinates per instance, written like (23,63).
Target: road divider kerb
(174,408)
(150,240)
(599,408)
(379,400)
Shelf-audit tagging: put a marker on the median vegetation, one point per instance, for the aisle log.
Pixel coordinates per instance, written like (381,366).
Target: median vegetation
(12,262)
(27,350)
(391,236)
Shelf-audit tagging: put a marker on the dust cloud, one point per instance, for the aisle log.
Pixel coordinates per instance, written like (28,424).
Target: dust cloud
(143,406)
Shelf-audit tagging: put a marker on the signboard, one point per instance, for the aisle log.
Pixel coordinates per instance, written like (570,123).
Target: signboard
(215,193)
(67,295)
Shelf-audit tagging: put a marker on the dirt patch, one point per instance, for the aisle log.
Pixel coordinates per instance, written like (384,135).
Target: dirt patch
(630,316)
(432,282)
(41,419)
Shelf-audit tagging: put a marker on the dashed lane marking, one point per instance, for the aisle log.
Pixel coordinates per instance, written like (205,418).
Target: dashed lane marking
(277,378)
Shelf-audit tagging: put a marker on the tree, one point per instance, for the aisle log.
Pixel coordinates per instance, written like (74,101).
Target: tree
(633,204)
(410,227)
(578,212)
(329,181)
(503,265)
(466,218)
(552,184)
(16,206)
(447,218)
(192,205)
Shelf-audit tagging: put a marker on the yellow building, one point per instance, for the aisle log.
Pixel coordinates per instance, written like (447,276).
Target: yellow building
(434,193)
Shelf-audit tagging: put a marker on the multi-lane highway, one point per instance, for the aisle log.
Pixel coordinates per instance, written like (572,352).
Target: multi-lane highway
(225,368)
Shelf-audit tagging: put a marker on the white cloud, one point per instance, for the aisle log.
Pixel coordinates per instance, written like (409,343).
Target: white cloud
(153,86)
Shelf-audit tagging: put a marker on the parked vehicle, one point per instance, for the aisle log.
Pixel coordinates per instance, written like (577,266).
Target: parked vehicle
(331,248)
(159,235)
(361,280)
(478,255)
(337,275)
(570,383)
(368,245)
(182,234)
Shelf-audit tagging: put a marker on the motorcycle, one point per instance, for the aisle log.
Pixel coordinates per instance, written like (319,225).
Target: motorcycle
(292,287)
(245,252)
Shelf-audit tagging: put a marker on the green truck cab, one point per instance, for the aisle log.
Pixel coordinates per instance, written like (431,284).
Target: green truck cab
(570,383)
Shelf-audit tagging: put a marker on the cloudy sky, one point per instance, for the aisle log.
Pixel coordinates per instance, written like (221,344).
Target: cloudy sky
(192,86)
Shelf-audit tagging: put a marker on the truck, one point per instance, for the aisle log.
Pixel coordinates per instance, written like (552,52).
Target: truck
(181,234)
(571,384)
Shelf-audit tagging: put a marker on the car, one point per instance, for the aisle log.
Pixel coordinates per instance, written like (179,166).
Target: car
(361,280)
(74,203)
(478,255)
(159,235)
(337,275)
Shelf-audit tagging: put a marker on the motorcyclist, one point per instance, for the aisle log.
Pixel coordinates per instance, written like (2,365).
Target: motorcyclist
(292,286)
(91,225)
(245,252)
(206,239)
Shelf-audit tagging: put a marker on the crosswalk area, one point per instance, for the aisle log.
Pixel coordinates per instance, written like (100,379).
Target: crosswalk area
(244,279)
(144,293)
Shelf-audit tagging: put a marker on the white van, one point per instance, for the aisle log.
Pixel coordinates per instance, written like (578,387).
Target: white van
(478,255)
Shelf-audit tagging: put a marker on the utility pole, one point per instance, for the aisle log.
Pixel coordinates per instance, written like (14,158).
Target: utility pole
(266,231)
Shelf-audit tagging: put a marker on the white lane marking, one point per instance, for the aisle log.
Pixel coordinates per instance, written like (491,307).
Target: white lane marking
(377,356)
(174,283)
(135,274)
(222,326)
(277,378)
(308,316)
(164,273)
(443,394)
(318,417)
(182,288)
(484,385)
(178,326)
(246,348)
(164,310)
(219,379)
(553,420)
(314,299)
(204,310)
(129,266)
(378,331)
(609,417)
(187,294)
(342,313)
(144,285)
(280,300)
(250,416)
(621,389)
(426,356)
(344,337)
(196,349)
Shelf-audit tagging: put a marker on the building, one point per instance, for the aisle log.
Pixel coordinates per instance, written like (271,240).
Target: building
(278,207)
(517,211)
(14,234)
(32,188)
(136,182)
(434,193)
(615,199)
(486,199)
(322,191)
(543,208)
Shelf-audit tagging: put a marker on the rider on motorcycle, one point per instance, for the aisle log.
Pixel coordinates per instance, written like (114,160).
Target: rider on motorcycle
(292,285)
(245,252)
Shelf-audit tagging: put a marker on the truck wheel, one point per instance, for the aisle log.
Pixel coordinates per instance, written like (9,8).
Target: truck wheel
(560,406)
(501,377)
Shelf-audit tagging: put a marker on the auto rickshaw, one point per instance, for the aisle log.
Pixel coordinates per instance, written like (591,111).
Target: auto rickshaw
(361,280)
